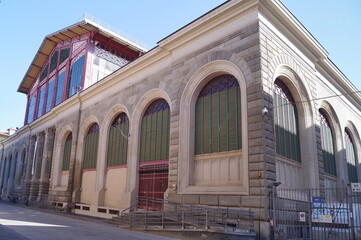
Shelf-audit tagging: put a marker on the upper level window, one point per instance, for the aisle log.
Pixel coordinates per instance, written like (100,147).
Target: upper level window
(328,149)
(76,76)
(60,88)
(41,101)
(154,143)
(49,99)
(286,122)
(64,54)
(31,109)
(218,125)
(351,157)
(54,61)
(118,140)
(44,73)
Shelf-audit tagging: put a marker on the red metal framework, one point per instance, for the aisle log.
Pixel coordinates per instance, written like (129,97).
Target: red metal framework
(153,182)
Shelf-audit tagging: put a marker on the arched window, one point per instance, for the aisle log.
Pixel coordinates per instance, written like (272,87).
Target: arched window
(118,140)
(218,116)
(286,122)
(328,148)
(351,157)
(91,147)
(67,152)
(155,132)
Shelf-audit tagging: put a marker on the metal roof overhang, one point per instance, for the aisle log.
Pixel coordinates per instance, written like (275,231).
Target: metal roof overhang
(50,42)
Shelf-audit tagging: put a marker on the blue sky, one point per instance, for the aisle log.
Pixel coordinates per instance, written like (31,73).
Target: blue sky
(336,24)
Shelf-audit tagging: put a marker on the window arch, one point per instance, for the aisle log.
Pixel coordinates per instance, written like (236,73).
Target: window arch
(67,152)
(218,116)
(286,122)
(154,143)
(91,147)
(351,157)
(118,140)
(327,144)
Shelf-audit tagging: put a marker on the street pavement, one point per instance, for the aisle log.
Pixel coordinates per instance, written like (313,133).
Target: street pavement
(23,223)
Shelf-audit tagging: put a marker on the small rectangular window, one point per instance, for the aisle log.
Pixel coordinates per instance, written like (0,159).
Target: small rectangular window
(44,73)
(76,76)
(31,109)
(49,99)
(60,88)
(64,54)
(54,61)
(41,102)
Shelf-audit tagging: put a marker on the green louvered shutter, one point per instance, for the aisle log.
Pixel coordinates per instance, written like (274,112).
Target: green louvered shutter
(91,147)
(154,141)
(351,158)
(67,152)
(218,116)
(286,122)
(328,149)
(118,141)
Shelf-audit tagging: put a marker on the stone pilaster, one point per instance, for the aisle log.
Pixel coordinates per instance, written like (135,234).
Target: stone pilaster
(46,164)
(36,168)
(29,165)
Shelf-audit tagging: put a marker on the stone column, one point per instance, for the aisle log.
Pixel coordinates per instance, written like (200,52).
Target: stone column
(72,172)
(36,168)
(29,165)
(46,164)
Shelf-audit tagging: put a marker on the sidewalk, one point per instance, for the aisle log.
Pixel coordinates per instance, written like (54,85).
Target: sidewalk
(26,223)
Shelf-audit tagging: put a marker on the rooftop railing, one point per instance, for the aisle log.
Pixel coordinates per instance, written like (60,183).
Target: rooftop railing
(114,31)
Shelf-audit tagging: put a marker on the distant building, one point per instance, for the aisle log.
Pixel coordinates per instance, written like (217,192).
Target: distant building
(219,110)
(6,134)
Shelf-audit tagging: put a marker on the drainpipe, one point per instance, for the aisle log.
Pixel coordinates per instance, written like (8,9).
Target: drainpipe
(70,198)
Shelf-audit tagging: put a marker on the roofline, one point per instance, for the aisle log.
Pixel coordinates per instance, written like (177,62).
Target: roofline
(293,28)
(195,20)
(97,24)
(115,32)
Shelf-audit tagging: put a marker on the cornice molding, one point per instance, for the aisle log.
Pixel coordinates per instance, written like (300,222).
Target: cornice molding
(291,27)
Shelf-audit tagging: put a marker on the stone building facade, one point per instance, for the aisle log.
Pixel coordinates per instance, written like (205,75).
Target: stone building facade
(255,47)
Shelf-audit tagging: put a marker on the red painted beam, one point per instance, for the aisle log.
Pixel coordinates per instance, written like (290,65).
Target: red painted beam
(116,46)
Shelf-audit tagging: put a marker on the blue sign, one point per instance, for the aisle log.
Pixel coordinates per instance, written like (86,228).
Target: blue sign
(316,202)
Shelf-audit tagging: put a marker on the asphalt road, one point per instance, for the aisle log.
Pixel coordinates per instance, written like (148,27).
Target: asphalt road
(21,223)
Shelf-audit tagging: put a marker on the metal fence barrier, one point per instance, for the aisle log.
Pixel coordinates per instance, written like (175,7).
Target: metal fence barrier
(323,214)
(159,214)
